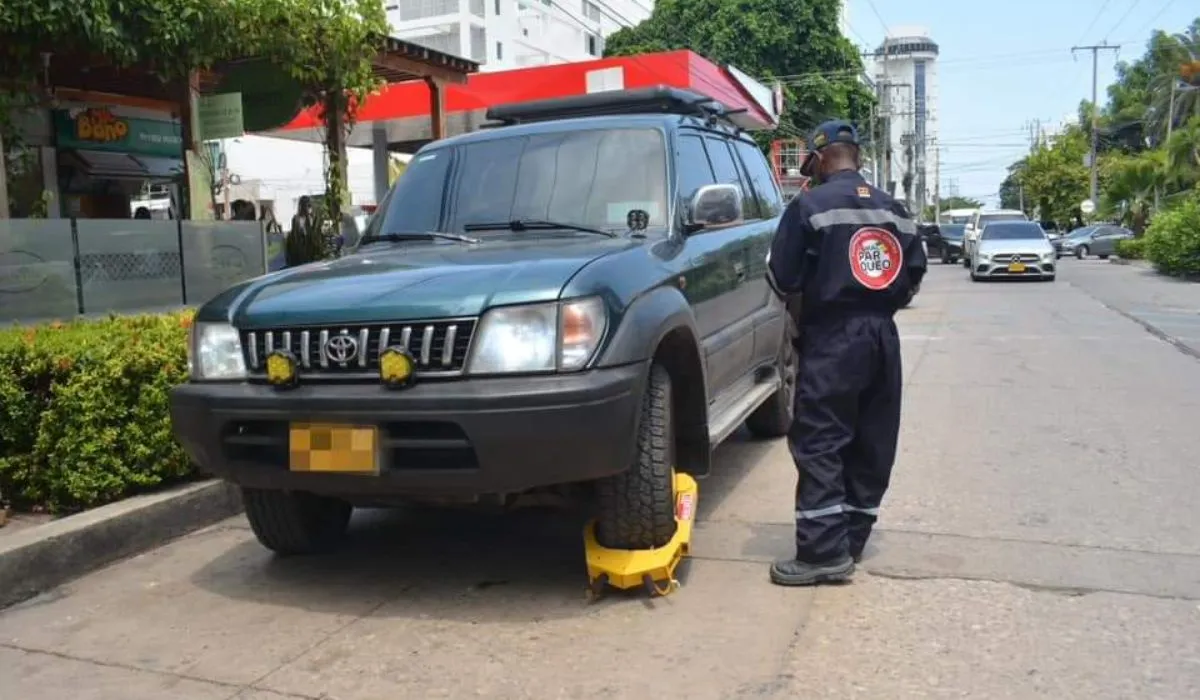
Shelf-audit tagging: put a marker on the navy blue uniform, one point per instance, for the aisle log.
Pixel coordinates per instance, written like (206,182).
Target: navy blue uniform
(851,253)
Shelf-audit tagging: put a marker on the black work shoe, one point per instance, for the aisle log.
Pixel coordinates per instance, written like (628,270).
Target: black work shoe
(792,572)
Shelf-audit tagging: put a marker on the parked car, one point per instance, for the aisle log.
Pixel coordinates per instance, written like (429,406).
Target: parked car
(1013,249)
(1099,240)
(943,241)
(572,302)
(979,221)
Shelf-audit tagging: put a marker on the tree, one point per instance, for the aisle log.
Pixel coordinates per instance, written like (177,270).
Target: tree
(1055,178)
(326,46)
(1131,183)
(794,40)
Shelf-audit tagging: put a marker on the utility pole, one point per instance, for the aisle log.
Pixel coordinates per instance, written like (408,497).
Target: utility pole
(1095,49)
(937,182)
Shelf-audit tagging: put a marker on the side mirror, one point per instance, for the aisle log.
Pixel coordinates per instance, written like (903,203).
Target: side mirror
(714,205)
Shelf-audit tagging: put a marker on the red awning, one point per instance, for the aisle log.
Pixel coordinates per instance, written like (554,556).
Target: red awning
(402,109)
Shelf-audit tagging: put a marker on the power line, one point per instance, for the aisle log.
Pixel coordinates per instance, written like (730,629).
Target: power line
(1083,35)
(1158,14)
(1132,7)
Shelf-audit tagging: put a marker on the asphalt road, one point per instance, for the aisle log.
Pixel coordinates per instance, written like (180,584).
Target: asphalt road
(1040,540)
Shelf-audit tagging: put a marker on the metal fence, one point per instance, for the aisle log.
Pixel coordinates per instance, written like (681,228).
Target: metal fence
(62,268)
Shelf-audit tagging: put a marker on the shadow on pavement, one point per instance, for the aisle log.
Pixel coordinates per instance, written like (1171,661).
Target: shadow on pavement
(526,565)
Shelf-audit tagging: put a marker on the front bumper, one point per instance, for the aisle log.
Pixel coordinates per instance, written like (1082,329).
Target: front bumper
(1005,268)
(437,439)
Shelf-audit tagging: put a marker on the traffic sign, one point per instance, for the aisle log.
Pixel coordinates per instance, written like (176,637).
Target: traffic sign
(1087,206)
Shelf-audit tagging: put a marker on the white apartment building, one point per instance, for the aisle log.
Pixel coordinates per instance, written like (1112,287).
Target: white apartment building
(905,66)
(507,34)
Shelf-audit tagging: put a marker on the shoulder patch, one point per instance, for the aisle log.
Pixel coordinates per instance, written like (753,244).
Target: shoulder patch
(876,257)
(864,192)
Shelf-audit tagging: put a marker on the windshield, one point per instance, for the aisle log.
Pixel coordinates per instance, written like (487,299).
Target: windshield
(952,231)
(1014,231)
(589,178)
(985,219)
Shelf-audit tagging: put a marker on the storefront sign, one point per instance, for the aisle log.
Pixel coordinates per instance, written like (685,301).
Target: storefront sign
(221,116)
(98,129)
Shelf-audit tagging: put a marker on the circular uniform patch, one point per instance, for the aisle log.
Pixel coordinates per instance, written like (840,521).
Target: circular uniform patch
(875,257)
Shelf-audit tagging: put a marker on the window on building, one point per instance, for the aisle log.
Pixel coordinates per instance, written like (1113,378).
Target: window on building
(591,10)
(595,46)
(478,44)
(497,7)
(499,51)
(479,8)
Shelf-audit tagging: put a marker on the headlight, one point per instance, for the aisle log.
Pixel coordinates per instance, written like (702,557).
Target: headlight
(215,353)
(1048,257)
(538,337)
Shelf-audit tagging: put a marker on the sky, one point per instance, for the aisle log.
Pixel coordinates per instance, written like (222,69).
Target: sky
(1004,64)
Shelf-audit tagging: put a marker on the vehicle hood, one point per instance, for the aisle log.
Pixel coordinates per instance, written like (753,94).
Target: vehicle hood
(410,281)
(1038,246)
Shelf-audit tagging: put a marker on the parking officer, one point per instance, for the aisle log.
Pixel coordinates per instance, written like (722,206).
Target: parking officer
(844,258)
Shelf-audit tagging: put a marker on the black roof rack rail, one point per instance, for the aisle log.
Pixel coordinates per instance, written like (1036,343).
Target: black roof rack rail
(660,99)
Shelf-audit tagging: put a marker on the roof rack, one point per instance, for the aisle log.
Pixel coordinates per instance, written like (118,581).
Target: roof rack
(660,99)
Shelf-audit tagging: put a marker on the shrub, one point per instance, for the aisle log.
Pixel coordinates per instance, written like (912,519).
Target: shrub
(1173,239)
(1132,249)
(83,410)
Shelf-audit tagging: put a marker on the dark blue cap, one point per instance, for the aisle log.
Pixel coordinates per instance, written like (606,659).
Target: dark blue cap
(834,131)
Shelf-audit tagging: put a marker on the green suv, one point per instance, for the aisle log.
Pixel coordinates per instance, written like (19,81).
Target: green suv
(572,301)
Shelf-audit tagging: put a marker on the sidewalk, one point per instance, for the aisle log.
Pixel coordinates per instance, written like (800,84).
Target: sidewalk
(1167,307)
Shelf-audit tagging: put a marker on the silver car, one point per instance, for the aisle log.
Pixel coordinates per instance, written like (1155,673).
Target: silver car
(1099,240)
(1013,249)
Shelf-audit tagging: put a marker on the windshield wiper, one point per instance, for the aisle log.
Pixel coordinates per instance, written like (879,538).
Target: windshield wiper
(535,224)
(417,236)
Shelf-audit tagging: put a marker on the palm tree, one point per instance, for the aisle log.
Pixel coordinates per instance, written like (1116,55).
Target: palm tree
(1174,53)
(1130,184)
(1183,156)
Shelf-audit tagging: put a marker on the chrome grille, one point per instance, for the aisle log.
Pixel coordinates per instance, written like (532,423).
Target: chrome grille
(348,351)
(1006,258)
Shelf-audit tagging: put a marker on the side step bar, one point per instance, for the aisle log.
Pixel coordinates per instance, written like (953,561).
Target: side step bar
(723,424)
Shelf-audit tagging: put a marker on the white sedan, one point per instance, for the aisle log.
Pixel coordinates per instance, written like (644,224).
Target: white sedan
(1013,249)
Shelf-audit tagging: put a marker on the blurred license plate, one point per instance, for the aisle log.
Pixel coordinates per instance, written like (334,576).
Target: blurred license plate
(324,447)
(1016,267)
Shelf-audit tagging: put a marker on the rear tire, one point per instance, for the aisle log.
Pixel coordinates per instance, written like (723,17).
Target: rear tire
(295,522)
(773,419)
(637,507)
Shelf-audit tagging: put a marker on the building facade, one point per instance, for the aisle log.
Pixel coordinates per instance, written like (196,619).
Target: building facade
(507,34)
(905,70)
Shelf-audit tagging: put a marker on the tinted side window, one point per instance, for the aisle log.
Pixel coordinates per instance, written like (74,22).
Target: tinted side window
(415,203)
(728,172)
(693,169)
(766,191)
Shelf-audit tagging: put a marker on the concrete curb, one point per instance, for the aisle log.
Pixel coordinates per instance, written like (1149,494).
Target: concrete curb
(37,559)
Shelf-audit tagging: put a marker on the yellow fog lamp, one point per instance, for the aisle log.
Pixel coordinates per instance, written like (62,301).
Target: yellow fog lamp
(281,369)
(396,367)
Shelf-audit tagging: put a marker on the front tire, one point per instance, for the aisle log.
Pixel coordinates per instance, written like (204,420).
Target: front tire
(773,419)
(1081,252)
(294,522)
(637,507)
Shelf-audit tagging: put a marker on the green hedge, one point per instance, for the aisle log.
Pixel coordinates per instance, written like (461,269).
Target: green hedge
(1173,239)
(83,410)
(1132,249)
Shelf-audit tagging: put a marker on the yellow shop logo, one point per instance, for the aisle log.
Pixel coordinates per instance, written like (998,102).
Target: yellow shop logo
(99,125)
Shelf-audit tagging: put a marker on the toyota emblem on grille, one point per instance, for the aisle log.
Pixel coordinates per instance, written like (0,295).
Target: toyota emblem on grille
(341,348)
